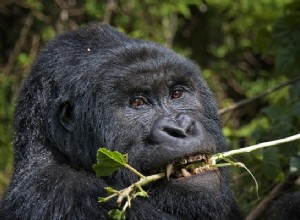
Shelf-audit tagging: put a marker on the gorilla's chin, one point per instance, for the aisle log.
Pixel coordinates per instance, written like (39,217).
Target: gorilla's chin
(193,197)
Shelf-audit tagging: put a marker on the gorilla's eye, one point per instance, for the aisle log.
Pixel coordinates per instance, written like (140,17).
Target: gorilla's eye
(137,101)
(176,93)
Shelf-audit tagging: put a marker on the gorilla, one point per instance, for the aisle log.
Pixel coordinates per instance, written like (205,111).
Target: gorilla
(96,87)
(285,207)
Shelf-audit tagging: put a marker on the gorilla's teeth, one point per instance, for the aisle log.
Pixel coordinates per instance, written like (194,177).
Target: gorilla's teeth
(183,161)
(198,170)
(205,157)
(196,158)
(169,169)
(185,173)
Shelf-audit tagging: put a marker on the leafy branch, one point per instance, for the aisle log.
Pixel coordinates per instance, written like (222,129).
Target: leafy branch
(109,161)
(255,98)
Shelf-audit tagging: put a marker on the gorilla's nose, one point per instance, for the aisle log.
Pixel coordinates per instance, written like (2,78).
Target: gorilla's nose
(167,130)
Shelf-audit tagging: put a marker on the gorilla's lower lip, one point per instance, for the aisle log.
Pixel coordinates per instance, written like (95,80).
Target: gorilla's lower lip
(189,166)
(205,181)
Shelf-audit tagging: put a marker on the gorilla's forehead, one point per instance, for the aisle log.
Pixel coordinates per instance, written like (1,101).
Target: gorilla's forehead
(154,81)
(147,66)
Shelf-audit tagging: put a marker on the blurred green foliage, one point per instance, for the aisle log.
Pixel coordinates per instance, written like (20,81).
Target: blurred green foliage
(244,47)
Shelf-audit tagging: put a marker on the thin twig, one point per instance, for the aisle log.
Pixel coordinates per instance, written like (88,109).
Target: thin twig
(261,207)
(254,147)
(110,8)
(143,181)
(247,101)
(35,43)
(14,54)
(170,24)
(134,171)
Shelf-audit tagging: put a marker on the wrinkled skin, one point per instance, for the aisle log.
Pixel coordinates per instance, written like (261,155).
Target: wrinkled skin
(96,87)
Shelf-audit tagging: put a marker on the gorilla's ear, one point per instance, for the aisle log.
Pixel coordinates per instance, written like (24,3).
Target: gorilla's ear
(65,113)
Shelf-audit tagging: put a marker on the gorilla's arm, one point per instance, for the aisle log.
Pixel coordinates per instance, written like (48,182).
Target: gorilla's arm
(54,192)
(60,192)
(286,207)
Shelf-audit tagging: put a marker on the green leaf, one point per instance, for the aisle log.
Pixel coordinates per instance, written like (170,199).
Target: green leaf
(273,112)
(108,161)
(285,29)
(271,163)
(117,214)
(286,60)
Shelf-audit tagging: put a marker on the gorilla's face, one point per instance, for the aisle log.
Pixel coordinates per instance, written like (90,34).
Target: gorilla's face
(166,106)
(162,114)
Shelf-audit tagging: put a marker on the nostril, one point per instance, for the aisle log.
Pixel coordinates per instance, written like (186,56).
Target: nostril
(186,123)
(190,127)
(174,132)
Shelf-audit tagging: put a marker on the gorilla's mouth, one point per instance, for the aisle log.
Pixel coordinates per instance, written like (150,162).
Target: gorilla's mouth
(189,166)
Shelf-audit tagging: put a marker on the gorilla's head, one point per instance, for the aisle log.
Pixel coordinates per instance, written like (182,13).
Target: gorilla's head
(99,88)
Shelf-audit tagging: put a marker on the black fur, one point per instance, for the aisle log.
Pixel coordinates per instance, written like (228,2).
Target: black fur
(77,99)
(286,207)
